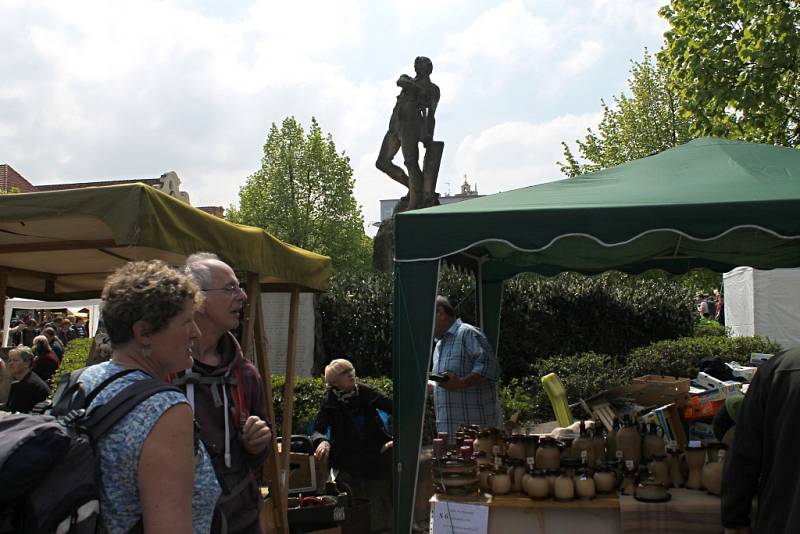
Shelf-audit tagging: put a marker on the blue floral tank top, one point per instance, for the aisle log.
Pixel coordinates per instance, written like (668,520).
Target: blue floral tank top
(121,447)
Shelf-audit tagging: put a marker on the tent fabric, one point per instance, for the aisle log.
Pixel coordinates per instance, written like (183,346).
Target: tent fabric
(95,230)
(710,203)
(26,304)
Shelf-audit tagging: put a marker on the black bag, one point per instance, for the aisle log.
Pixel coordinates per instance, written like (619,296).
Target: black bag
(49,469)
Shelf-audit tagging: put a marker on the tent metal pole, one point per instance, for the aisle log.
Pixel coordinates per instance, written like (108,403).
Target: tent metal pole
(3,293)
(288,395)
(253,295)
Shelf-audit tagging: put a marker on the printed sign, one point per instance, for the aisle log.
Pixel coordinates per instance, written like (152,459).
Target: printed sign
(459,518)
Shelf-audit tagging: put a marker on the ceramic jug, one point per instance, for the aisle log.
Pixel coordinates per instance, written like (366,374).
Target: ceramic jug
(628,484)
(653,442)
(604,479)
(531,444)
(552,476)
(599,442)
(516,447)
(695,458)
(611,442)
(659,468)
(535,484)
(517,471)
(584,485)
(565,488)
(499,482)
(583,446)
(674,459)
(483,478)
(712,472)
(713,450)
(630,443)
(547,455)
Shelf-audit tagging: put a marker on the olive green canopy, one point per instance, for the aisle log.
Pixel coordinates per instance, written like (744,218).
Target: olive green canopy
(710,203)
(62,245)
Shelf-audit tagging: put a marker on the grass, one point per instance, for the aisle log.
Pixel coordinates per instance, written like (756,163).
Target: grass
(75,356)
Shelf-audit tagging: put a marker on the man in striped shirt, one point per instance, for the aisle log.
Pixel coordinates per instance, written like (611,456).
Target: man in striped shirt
(463,355)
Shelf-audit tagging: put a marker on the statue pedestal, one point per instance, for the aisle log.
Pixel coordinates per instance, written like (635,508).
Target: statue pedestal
(383,244)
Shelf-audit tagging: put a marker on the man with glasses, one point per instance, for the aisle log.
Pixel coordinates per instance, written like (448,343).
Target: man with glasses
(227,395)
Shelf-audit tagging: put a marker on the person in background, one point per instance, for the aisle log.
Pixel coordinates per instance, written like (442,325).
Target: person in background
(359,446)
(64,331)
(80,328)
(28,389)
(46,362)
(154,476)
(55,344)
(719,316)
(463,355)
(228,396)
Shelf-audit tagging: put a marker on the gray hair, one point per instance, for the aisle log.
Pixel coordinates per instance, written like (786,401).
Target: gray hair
(24,352)
(197,268)
(444,304)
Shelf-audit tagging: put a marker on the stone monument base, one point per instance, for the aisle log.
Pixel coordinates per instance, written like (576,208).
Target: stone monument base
(383,244)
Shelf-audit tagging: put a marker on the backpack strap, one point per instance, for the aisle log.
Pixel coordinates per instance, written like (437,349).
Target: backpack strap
(104,417)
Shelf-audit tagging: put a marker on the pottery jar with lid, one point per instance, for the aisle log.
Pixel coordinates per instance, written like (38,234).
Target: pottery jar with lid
(531,444)
(582,447)
(483,477)
(485,442)
(628,484)
(629,441)
(552,476)
(535,484)
(548,455)
(653,442)
(611,441)
(564,488)
(516,447)
(584,485)
(695,458)
(604,479)
(499,482)
(659,468)
(516,470)
(713,450)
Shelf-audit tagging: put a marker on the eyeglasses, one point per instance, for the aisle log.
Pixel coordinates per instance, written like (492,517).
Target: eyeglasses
(230,289)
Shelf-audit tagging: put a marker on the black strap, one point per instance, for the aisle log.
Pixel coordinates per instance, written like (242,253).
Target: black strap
(104,417)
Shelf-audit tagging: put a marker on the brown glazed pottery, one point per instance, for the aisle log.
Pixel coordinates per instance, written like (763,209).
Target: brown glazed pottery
(565,488)
(659,468)
(674,458)
(499,482)
(599,442)
(611,442)
(584,485)
(712,472)
(695,458)
(531,444)
(516,447)
(583,447)
(653,442)
(630,443)
(604,479)
(547,455)
(536,485)
(713,450)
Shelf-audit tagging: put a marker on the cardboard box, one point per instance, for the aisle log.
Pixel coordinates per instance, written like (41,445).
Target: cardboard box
(306,473)
(648,390)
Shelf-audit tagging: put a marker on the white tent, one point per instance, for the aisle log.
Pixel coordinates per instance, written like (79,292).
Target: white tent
(73,305)
(764,303)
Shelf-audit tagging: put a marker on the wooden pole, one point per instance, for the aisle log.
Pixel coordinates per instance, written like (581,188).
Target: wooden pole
(253,296)
(288,393)
(270,470)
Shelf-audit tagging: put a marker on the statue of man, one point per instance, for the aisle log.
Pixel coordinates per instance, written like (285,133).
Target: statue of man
(412,123)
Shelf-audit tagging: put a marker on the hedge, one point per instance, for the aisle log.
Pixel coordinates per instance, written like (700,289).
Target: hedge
(610,313)
(75,355)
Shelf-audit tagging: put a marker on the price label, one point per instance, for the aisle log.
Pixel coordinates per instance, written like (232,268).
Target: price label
(629,464)
(721,456)
(496,449)
(619,455)
(531,461)
(673,444)
(584,456)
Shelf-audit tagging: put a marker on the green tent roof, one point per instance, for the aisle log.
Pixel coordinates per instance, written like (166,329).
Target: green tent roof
(62,244)
(709,203)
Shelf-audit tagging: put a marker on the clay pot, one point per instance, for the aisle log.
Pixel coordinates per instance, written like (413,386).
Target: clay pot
(630,443)
(695,458)
(536,485)
(552,476)
(516,447)
(531,444)
(712,477)
(483,478)
(548,455)
(713,451)
(517,471)
(583,447)
(564,488)
(584,486)
(628,484)
(599,443)
(674,457)
(659,468)
(604,480)
(653,442)
(499,483)
(485,442)
(611,442)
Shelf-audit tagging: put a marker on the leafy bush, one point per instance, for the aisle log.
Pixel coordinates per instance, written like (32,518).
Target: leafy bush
(709,328)
(75,355)
(569,314)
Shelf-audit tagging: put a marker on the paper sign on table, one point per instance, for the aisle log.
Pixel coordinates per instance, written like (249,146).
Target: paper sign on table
(459,518)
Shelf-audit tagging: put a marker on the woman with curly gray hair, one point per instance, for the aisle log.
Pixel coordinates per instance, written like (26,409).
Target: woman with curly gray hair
(153,478)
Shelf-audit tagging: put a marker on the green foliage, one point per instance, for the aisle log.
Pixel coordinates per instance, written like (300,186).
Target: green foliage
(303,194)
(10,191)
(75,355)
(735,65)
(709,328)
(568,314)
(636,126)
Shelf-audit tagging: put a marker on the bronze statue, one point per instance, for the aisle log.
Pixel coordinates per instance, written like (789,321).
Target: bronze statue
(412,123)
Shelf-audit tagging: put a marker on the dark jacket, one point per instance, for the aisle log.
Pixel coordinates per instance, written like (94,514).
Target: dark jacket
(46,364)
(764,458)
(241,498)
(26,393)
(357,432)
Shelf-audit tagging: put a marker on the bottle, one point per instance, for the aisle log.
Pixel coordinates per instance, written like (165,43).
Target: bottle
(583,447)
(653,442)
(611,441)
(629,441)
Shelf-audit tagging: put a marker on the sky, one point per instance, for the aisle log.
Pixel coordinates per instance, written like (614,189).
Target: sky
(101,90)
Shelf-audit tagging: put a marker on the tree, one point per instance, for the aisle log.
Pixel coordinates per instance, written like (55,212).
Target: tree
(303,194)
(648,121)
(735,64)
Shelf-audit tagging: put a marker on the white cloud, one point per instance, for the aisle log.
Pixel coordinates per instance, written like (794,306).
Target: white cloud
(518,154)
(588,55)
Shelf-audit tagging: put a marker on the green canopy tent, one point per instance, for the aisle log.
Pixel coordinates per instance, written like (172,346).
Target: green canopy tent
(710,203)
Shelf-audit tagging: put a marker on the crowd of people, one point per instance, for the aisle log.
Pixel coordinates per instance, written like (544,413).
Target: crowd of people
(710,307)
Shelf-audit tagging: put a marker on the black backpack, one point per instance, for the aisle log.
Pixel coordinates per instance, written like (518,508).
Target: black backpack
(49,467)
